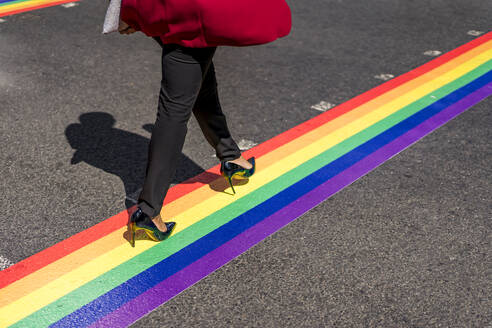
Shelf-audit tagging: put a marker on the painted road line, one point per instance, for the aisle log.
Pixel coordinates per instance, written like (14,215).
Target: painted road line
(129,292)
(98,265)
(5,263)
(86,237)
(70,5)
(167,244)
(432,53)
(323,106)
(245,144)
(474,33)
(384,77)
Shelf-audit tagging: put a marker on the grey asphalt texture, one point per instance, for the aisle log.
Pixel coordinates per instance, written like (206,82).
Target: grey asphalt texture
(408,245)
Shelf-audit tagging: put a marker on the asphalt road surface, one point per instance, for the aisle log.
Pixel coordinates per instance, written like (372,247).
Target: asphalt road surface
(408,245)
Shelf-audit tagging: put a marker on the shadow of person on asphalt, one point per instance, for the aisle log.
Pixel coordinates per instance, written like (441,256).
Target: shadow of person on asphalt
(98,143)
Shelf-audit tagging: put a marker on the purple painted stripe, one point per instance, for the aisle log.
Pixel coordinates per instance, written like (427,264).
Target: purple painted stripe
(172,286)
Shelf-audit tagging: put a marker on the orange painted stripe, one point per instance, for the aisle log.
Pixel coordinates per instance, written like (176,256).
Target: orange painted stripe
(104,228)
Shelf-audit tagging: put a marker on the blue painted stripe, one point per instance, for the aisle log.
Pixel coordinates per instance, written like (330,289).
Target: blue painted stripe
(118,296)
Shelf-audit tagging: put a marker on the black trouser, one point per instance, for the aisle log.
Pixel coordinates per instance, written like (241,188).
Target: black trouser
(188,85)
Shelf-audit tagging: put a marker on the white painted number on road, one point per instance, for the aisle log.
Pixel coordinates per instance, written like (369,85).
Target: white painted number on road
(69,5)
(384,77)
(246,144)
(243,144)
(432,53)
(323,106)
(474,33)
(5,263)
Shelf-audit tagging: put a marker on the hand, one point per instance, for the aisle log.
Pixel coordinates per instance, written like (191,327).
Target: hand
(124,28)
(128,30)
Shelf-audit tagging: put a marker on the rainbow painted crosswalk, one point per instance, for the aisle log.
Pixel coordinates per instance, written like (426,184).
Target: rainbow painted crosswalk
(12,7)
(95,278)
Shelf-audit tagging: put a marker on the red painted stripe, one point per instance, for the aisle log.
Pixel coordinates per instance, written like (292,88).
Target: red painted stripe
(79,240)
(18,11)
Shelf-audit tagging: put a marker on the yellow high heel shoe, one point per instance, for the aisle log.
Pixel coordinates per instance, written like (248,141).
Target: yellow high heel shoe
(141,221)
(230,170)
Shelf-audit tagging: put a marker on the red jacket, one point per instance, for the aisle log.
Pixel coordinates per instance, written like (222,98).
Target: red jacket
(205,23)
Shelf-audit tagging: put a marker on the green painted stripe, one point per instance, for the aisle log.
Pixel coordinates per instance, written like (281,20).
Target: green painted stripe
(95,288)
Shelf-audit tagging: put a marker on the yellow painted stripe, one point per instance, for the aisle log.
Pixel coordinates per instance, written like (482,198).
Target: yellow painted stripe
(61,286)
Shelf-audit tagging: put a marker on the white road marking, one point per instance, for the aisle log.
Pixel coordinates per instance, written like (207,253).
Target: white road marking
(243,144)
(69,4)
(5,263)
(2,20)
(432,53)
(384,77)
(323,106)
(474,33)
(246,144)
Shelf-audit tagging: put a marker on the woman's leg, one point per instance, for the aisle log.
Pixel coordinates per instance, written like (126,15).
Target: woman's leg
(183,70)
(212,120)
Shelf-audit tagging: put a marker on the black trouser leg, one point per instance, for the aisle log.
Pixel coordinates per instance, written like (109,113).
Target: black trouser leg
(212,120)
(183,70)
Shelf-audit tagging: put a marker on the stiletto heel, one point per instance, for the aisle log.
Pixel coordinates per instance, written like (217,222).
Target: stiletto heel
(230,170)
(141,221)
(132,234)
(230,183)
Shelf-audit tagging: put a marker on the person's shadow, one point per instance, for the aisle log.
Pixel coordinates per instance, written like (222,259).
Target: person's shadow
(97,142)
